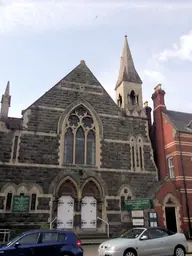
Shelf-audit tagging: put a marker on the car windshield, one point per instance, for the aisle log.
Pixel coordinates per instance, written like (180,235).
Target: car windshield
(13,240)
(133,233)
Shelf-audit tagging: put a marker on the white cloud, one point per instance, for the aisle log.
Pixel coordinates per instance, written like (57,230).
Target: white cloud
(46,14)
(181,51)
(154,76)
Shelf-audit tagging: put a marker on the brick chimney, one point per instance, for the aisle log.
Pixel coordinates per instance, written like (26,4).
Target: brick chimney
(158,133)
(158,98)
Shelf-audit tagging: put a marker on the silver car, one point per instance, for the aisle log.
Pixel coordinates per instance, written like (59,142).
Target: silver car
(145,242)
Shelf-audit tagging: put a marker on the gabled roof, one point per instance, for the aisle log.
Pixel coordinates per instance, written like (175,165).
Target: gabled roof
(12,123)
(156,187)
(82,74)
(181,120)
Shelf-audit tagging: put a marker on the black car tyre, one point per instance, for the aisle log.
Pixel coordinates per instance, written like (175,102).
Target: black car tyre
(129,253)
(179,251)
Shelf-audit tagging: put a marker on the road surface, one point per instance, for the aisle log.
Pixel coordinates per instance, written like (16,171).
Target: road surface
(90,250)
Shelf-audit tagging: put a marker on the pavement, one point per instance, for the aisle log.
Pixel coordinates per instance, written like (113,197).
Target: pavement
(190,247)
(91,250)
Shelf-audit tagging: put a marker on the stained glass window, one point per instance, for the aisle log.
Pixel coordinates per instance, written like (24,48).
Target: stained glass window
(68,148)
(80,140)
(91,148)
(80,146)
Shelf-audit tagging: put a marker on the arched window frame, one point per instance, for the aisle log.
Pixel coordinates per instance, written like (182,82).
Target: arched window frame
(140,154)
(22,190)
(9,190)
(94,128)
(125,195)
(133,150)
(33,191)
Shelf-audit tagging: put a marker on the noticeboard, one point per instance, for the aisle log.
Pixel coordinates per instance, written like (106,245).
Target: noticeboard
(138,204)
(21,203)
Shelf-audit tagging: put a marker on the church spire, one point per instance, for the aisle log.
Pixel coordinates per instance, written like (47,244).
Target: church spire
(5,102)
(7,89)
(127,70)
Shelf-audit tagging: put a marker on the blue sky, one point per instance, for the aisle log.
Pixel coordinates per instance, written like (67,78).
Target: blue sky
(42,40)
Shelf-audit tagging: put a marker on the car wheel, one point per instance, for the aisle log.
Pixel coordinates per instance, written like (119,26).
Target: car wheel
(129,253)
(179,251)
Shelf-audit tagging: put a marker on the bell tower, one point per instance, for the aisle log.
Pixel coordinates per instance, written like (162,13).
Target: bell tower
(5,102)
(129,85)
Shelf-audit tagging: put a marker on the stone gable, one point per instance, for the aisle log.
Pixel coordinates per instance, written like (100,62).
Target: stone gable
(40,144)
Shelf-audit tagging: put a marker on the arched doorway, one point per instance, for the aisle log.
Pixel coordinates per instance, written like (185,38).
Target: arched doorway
(171,213)
(67,194)
(91,204)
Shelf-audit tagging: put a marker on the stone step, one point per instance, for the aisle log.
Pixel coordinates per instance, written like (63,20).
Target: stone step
(92,241)
(92,236)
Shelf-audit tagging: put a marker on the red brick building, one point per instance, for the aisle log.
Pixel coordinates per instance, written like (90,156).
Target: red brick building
(172,141)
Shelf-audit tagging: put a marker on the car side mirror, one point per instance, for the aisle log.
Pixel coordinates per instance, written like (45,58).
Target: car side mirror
(144,237)
(17,244)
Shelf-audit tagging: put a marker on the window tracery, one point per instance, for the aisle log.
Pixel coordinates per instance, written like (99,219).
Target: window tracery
(80,138)
(22,190)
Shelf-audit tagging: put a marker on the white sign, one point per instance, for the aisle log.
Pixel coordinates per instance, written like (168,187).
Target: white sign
(138,222)
(137,214)
(153,224)
(153,215)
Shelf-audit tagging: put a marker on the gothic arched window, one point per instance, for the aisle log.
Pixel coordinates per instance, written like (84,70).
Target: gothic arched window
(133,97)
(79,138)
(133,153)
(140,154)
(125,195)
(68,148)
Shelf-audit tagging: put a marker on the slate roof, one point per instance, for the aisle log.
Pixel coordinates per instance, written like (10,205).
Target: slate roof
(82,74)
(13,123)
(127,70)
(181,120)
(156,187)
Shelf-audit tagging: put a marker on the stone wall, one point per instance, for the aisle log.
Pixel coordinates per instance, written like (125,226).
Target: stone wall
(5,146)
(38,150)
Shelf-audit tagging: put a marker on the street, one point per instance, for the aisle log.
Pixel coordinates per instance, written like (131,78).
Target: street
(90,250)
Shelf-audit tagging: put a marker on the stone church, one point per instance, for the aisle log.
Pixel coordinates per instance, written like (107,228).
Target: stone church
(75,155)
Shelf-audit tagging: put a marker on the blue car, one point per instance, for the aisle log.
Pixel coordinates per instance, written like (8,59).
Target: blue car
(44,243)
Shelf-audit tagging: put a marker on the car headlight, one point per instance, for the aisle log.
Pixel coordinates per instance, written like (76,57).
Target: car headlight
(112,249)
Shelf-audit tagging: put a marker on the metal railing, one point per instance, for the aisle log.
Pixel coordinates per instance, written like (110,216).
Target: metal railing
(4,236)
(51,223)
(107,225)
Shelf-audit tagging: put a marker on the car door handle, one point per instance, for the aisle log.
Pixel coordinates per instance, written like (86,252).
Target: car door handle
(31,250)
(161,242)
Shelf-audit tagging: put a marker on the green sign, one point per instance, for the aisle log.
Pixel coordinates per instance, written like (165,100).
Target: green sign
(138,204)
(21,203)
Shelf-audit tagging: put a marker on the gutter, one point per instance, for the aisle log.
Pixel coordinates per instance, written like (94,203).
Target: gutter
(185,185)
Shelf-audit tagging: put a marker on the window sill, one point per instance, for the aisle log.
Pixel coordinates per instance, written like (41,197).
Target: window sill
(79,165)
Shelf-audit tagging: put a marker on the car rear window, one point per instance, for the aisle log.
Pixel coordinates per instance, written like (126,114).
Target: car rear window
(49,237)
(61,237)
